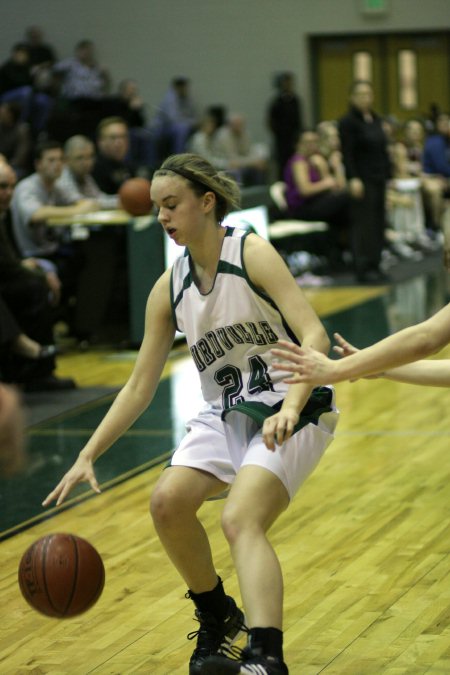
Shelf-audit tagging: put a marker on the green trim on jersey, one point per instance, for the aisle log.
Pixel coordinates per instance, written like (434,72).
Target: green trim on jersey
(318,403)
(263,295)
(228,268)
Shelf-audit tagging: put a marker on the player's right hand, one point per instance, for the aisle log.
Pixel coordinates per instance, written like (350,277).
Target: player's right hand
(81,471)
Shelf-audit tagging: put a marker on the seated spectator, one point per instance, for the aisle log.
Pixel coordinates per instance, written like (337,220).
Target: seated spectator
(40,52)
(25,362)
(16,85)
(111,167)
(38,198)
(330,148)
(100,251)
(76,177)
(205,142)
(15,72)
(83,84)
(436,149)
(129,105)
(82,79)
(42,59)
(247,161)
(405,203)
(432,194)
(314,194)
(15,138)
(436,164)
(176,118)
(26,314)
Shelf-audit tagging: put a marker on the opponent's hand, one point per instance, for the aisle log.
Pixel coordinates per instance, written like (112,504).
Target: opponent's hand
(304,363)
(343,347)
(279,428)
(81,471)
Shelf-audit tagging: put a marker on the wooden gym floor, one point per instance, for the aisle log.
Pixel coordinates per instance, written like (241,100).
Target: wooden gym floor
(364,546)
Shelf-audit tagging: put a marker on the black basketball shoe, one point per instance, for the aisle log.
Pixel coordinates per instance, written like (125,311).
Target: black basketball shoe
(249,663)
(213,636)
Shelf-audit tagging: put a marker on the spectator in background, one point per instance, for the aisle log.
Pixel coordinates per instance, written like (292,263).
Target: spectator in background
(366,161)
(436,160)
(42,60)
(111,167)
(26,316)
(314,194)
(82,79)
(247,161)
(285,120)
(83,86)
(432,186)
(41,54)
(99,252)
(406,194)
(16,85)
(175,119)
(330,148)
(15,72)
(76,177)
(38,198)
(204,141)
(129,105)
(436,167)
(15,138)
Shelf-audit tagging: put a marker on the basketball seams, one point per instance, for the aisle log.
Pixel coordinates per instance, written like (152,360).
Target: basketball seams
(101,582)
(45,546)
(74,574)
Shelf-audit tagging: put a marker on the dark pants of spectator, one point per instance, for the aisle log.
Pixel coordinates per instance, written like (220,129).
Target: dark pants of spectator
(367,227)
(332,208)
(27,302)
(36,106)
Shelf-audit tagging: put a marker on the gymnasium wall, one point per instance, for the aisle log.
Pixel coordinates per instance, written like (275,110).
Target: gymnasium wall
(230,49)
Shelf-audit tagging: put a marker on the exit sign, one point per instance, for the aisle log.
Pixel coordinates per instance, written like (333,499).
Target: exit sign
(375,6)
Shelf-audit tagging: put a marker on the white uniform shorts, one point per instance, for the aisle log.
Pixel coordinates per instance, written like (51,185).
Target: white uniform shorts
(223,447)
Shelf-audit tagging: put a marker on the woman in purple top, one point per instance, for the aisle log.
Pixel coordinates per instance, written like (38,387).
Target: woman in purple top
(313,192)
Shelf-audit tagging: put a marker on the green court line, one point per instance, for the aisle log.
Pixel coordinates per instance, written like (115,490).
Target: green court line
(88,432)
(74,501)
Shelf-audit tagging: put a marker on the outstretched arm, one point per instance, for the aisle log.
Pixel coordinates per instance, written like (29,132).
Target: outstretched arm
(409,344)
(133,398)
(426,372)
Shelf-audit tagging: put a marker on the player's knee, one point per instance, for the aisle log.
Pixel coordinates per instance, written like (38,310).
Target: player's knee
(234,523)
(167,507)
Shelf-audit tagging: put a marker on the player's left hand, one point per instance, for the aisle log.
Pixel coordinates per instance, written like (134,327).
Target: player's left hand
(279,427)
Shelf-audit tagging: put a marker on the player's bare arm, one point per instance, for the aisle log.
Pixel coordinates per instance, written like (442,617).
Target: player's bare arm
(409,344)
(269,273)
(134,397)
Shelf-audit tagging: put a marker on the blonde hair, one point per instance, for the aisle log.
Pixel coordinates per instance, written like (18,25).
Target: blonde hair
(203,177)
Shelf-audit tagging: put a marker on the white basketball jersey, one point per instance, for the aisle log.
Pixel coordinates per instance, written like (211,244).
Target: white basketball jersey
(230,330)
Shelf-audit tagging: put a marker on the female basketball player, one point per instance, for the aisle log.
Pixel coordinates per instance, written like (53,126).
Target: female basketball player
(233,297)
(385,358)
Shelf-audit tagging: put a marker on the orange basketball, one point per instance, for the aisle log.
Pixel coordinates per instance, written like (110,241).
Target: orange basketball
(134,196)
(61,575)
